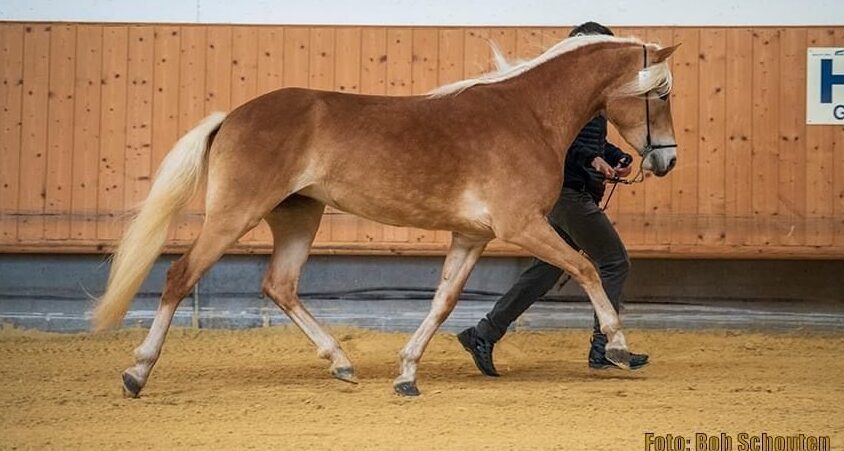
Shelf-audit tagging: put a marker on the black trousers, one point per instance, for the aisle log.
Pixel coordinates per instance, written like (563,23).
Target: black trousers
(579,220)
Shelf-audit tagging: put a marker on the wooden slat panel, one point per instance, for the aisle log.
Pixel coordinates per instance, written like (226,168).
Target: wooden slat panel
(477,56)
(450,62)
(819,173)
(423,79)
(33,151)
(711,159)
(165,102)
(657,214)
(347,63)
(270,76)
(373,80)
(684,178)
(139,98)
(766,85)
(838,188)
(60,137)
(322,77)
(621,194)
(399,76)
(86,135)
(11,70)
(270,59)
(245,86)
(792,139)
(192,70)
(738,130)
(779,182)
(113,137)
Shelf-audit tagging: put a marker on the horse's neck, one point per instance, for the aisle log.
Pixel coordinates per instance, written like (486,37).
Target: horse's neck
(567,92)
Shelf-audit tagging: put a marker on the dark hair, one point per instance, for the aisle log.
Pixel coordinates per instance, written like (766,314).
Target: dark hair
(590,28)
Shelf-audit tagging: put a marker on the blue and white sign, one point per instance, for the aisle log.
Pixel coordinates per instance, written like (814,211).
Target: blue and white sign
(825,86)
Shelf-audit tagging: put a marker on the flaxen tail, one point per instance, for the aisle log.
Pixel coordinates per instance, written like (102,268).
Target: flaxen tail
(177,181)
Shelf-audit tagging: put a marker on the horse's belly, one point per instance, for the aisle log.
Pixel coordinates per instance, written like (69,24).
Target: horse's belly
(466,215)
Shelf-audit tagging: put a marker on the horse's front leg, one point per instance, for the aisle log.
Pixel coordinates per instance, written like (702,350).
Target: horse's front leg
(535,235)
(461,258)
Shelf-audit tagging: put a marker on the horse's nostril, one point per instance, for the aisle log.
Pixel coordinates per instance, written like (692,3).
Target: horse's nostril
(672,162)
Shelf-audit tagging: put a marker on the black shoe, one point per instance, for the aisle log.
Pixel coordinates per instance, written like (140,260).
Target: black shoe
(480,349)
(598,361)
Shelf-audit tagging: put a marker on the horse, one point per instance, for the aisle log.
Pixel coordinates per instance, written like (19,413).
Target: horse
(482,158)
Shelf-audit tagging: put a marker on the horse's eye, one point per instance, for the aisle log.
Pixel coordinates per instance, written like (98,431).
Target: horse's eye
(665,96)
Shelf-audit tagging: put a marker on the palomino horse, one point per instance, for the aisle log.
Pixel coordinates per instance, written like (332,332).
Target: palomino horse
(482,158)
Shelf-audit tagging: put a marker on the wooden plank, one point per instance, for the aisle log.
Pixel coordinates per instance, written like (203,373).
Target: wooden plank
(765,154)
(613,209)
(244,70)
(739,132)
(86,135)
(684,178)
(270,59)
(60,136)
(244,86)
(712,159)
(346,79)
(657,192)
(33,150)
(192,69)
(792,138)
(819,174)
(424,78)
(477,54)
(450,64)
(528,43)
(505,39)
(112,159)
(139,114)
(838,188)
(165,101)
(399,76)
(322,77)
(270,76)
(297,45)
(373,80)
(218,73)
(11,90)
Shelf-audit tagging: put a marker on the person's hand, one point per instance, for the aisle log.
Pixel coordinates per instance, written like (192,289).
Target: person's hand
(603,167)
(623,171)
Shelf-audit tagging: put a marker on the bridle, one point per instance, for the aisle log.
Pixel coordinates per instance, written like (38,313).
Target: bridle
(649,145)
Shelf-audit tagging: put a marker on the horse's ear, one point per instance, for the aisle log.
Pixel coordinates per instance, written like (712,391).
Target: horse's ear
(663,53)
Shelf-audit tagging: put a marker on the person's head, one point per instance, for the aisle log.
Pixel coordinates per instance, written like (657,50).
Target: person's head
(590,28)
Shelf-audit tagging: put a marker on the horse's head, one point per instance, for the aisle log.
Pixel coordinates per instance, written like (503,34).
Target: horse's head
(641,110)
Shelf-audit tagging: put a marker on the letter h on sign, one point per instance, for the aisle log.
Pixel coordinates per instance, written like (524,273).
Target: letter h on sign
(828,80)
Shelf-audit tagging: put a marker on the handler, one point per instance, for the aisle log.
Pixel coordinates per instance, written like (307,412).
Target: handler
(578,218)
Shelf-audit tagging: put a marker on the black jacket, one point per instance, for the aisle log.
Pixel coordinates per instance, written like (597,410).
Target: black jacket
(591,142)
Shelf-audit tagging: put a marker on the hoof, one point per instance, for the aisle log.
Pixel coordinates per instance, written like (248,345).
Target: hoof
(346,374)
(131,386)
(406,389)
(618,357)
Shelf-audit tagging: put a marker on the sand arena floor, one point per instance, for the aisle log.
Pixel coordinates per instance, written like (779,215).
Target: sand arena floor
(266,389)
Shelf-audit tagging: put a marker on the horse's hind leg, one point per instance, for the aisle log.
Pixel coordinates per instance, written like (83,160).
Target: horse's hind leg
(461,258)
(218,233)
(294,224)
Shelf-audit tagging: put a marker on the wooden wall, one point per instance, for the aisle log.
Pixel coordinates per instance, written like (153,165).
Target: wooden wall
(88,112)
